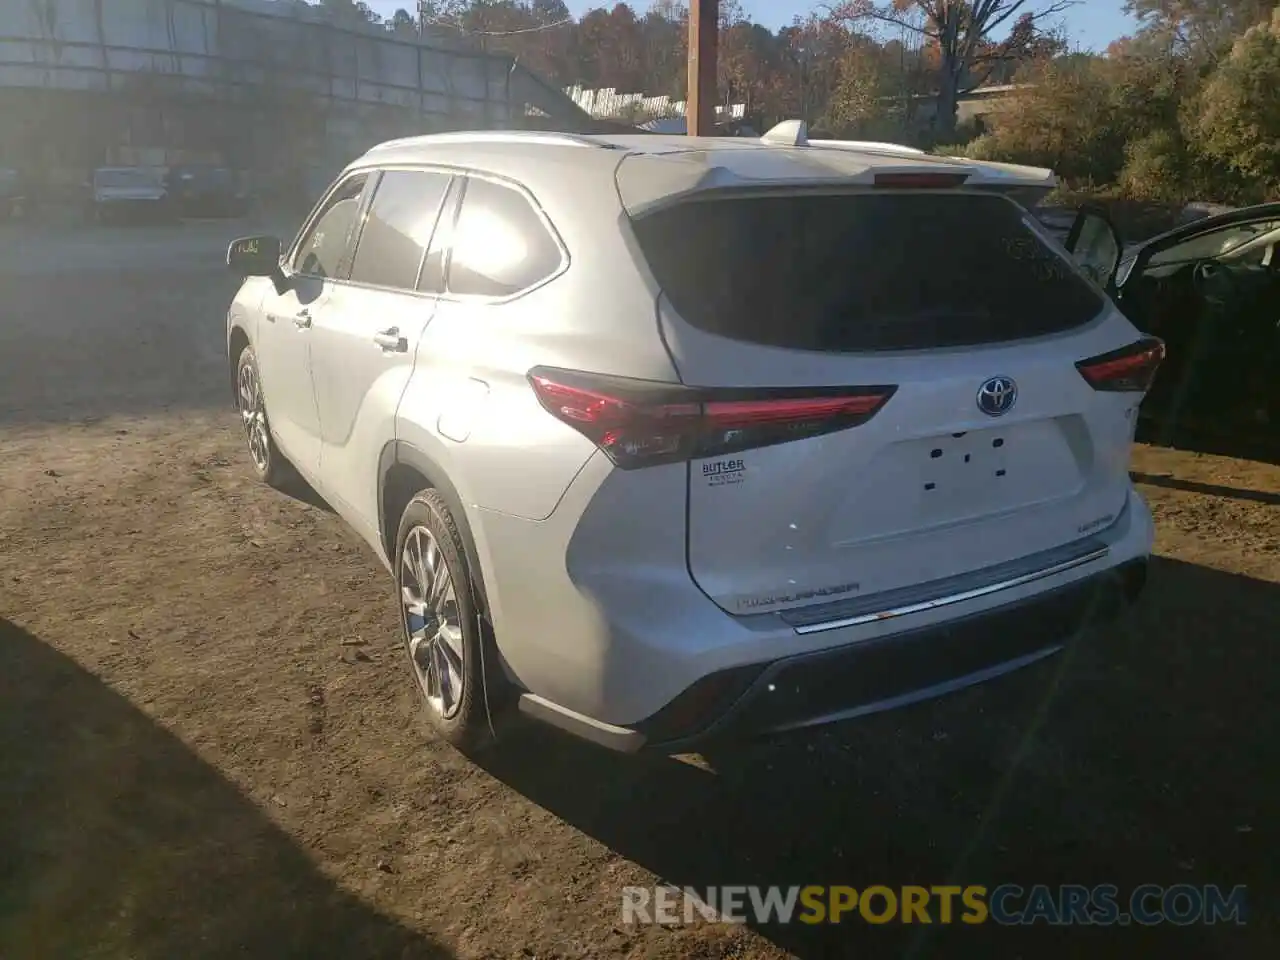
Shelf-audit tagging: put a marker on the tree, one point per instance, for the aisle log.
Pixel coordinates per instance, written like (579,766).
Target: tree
(666,43)
(350,11)
(609,49)
(1200,30)
(858,98)
(403,23)
(812,51)
(1237,117)
(1155,167)
(748,64)
(964,33)
(1062,119)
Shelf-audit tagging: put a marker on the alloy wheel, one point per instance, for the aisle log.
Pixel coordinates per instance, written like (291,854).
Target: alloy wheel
(432,626)
(254,417)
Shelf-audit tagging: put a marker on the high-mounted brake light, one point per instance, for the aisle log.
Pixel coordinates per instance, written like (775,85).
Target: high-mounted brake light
(1130,369)
(639,423)
(920,181)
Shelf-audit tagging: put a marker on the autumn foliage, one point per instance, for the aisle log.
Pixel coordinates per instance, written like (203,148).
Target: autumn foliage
(1187,108)
(836,68)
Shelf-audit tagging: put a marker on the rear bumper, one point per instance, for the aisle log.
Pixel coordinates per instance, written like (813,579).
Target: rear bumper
(621,647)
(871,676)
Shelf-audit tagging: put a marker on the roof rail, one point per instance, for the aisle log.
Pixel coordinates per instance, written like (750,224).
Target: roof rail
(492,136)
(788,133)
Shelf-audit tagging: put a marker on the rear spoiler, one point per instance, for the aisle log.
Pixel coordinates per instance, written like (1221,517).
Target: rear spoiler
(1006,177)
(674,177)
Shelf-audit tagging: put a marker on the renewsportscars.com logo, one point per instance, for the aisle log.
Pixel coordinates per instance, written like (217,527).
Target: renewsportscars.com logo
(1007,904)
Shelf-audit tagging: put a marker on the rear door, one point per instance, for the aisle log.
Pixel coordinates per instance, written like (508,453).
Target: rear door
(365,340)
(992,448)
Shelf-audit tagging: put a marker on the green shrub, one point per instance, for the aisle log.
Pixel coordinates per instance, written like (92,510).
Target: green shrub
(987,147)
(1155,167)
(1237,116)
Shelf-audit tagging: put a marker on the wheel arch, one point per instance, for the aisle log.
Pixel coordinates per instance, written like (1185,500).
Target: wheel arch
(403,470)
(237,340)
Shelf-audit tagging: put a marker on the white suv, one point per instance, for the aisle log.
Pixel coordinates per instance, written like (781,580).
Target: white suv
(666,439)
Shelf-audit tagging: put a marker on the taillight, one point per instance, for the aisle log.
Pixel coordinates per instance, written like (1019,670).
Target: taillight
(640,423)
(920,181)
(1129,369)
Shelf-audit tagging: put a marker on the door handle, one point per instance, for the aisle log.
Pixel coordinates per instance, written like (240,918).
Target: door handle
(302,319)
(390,339)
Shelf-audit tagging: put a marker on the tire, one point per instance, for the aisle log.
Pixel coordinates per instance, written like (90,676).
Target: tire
(452,639)
(269,464)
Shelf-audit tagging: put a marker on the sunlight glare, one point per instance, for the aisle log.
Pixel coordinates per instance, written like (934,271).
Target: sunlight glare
(487,244)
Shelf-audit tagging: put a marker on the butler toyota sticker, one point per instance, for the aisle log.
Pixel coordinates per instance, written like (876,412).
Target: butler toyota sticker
(720,473)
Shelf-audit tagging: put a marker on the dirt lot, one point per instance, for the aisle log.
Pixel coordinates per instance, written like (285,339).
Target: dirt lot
(209,746)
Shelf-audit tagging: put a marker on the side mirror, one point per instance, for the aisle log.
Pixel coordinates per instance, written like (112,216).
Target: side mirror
(1094,244)
(254,256)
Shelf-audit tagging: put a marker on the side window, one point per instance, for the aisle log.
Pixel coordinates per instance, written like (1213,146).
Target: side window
(321,251)
(500,243)
(398,228)
(1215,243)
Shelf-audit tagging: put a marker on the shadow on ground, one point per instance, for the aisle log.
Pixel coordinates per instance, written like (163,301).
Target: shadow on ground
(118,841)
(1145,754)
(1268,497)
(1261,444)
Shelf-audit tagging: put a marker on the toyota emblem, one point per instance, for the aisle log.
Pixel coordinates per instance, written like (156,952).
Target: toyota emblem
(997,395)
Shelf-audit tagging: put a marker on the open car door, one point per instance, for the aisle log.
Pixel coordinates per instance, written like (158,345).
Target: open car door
(1211,291)
(1095,244)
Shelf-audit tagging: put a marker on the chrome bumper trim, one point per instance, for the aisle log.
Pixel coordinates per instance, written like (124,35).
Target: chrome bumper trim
(945,601)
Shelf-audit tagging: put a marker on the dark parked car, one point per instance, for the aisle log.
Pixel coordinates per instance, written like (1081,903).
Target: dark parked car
(201,190)
(1211,290)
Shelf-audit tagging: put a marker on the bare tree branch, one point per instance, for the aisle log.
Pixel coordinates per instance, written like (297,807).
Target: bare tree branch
(887,15)
(988,15)
(962,32)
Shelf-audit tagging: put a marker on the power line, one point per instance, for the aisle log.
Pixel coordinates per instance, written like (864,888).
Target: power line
(498,33)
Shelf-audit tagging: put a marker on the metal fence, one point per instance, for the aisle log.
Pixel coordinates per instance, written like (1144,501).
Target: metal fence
(271,86)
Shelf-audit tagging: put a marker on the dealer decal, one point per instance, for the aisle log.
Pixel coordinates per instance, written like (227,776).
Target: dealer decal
(719,473)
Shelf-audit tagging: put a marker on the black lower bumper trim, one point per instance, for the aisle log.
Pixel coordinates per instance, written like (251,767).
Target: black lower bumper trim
(809,688)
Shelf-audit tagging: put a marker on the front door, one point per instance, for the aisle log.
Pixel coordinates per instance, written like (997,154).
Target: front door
(1211,290)
(284,363)
(289,316)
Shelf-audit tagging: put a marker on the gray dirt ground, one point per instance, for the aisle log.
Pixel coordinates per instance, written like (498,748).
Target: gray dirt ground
(209,746)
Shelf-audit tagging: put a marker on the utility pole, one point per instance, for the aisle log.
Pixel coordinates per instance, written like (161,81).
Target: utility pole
(704,32)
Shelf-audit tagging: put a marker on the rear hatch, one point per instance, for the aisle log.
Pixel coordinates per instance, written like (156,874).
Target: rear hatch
(990,447)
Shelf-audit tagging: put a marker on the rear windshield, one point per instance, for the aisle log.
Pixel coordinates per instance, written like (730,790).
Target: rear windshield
(856,272)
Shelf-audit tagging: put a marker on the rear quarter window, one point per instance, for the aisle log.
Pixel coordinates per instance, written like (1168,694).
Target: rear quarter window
(500,243)
(863,271)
